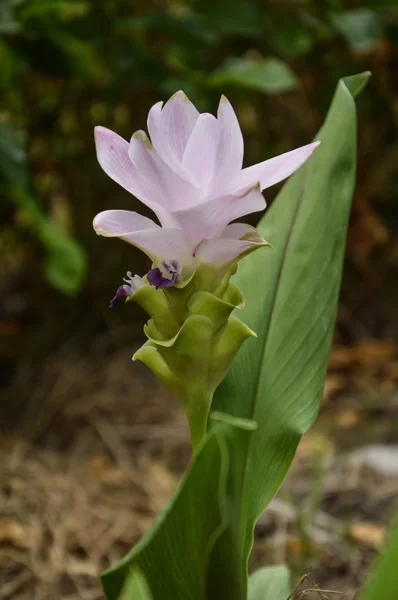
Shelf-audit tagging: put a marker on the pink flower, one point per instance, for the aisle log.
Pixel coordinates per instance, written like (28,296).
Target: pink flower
(191,177)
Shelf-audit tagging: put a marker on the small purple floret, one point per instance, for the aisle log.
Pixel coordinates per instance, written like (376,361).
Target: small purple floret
(166,276)
(122,291)
(156,279)
(133,283)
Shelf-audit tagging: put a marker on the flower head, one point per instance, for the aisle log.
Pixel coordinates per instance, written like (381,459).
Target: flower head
(190,175)
(133,283)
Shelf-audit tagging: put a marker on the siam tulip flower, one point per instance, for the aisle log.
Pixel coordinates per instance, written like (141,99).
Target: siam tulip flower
(190,175)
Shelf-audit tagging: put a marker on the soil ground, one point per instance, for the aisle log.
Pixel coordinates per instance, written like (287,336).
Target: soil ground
(109,447)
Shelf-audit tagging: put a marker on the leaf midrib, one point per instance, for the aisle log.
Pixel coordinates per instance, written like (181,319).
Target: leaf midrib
(275,295)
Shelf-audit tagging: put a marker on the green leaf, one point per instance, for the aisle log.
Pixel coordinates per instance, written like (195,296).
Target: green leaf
(8,24)
(174,555)
(382,6)
(382,583)
(66,263)
(187,30)
(356,83)
(291,297)
(135,587)
(230,16)
(80,55)
(361,28)
(8,65)
(271,75)
(270,583)
(54,10)
(290,39)
(225,579)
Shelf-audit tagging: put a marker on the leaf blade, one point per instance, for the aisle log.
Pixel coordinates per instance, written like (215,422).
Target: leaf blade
(382,581)
(270,583)
(173,556)
(269,75)
(291,301)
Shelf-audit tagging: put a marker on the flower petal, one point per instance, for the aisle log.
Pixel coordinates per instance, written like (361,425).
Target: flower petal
(113,156)
(223,251)
(200,152)
(178,119)
(119,223)
(161,144)
(208,219)
(236,231)
(229,156)
(274,170)
(162,183)
(157,242)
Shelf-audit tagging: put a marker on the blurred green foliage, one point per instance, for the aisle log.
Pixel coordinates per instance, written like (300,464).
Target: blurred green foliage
(68,65)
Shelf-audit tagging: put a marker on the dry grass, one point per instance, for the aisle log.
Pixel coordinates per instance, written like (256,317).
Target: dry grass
(105,460)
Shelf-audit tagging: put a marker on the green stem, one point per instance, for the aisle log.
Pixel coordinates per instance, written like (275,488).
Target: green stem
(197,414)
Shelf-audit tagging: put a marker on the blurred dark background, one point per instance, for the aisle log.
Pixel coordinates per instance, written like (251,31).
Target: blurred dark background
(66,66)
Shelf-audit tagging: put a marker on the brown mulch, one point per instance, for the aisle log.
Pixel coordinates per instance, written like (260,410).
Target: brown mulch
(97,468)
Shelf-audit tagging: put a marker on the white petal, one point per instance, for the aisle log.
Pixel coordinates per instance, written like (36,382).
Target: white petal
(119,223)
(237,231)
(200,153)
(113,156)
(157,242)
(162,183)
(178,119)
(274,170)
(207,220)
(229,156)
(224,251)
(161,144)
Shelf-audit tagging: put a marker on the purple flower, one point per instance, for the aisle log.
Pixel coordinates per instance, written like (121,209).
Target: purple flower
(165,276)
(191,177)
(126,290)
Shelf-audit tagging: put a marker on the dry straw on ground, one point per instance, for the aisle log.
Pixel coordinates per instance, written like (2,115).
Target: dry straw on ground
(108,456)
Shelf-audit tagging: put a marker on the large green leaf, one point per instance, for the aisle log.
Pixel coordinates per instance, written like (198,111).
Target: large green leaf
(269,75)
(361,28)
(135,587)
(65,265)
(382,583)
(270,583)
(225,578)
(291,298)
(174,556)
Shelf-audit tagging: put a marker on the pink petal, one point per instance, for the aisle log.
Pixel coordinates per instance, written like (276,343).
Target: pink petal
(229,156)
(200,153)
(274,170)
(223,251)
(157,242)
(178,119)
(237,231)
(119,223)
(113,156)
(162,183)
(161,144)
(208,219)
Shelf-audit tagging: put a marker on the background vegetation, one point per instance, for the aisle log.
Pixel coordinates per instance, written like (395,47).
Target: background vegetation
(67,65)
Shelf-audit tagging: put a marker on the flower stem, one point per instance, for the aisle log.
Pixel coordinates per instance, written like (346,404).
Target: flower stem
(197,415)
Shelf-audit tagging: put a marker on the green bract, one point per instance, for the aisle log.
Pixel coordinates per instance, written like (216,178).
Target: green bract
(192,339)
